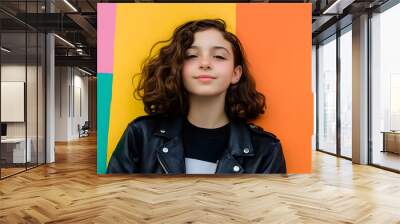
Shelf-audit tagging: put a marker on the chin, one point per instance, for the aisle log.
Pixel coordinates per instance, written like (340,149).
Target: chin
(206,93)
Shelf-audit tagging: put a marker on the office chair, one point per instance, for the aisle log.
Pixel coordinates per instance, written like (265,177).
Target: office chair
(84,130)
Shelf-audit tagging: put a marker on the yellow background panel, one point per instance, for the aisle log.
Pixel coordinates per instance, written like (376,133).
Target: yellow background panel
(138,27)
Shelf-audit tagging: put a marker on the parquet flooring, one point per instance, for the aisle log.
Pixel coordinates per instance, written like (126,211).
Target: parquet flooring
(70,191)
(10,171)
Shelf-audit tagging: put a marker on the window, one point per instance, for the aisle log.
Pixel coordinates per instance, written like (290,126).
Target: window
(346,92)
(327,95)
(385,88)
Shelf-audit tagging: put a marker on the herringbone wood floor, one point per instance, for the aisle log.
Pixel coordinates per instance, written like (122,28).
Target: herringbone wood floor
(70,191)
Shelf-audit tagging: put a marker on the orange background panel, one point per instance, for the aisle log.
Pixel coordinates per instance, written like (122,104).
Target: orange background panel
(277,41)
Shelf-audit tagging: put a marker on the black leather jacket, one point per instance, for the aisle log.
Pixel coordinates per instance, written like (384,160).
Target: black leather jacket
(153,144)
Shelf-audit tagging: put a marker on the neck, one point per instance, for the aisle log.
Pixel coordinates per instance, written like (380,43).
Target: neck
(207,111)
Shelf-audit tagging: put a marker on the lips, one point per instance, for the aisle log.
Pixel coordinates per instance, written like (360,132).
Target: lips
(205,77)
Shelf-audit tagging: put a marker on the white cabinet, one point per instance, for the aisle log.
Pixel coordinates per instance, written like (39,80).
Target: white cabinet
(18,147)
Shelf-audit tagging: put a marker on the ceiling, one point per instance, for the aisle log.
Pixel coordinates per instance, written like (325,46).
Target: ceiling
(77,23)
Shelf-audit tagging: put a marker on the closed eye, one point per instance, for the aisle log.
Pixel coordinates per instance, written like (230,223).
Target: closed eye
(219,57)
(190,56)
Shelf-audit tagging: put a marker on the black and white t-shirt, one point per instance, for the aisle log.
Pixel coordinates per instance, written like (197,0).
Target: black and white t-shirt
(203,147)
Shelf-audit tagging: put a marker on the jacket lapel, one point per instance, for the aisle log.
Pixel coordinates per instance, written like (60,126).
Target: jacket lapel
(170,154)
(239,146)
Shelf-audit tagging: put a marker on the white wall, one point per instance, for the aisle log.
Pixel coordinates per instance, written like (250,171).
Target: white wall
(71,94)
(62,81)
(13,72)
(81,84)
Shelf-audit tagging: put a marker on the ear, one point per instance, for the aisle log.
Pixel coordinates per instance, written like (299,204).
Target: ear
(237,73)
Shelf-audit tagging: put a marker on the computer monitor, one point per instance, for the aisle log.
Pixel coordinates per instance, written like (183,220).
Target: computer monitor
(3,129)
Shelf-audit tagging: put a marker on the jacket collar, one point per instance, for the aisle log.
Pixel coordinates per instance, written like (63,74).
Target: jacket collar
(239,138)
(169,127)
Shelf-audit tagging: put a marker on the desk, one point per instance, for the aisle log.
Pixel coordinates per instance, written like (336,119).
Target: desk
(17,150)
(391,141)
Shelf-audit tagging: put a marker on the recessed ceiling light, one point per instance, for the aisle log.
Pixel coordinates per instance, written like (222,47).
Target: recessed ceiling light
(5,50)
(70,5)
(84,71)
(64,40)
(337,7)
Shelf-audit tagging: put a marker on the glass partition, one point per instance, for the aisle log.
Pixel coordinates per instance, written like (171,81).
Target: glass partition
(14,153)
(22,77)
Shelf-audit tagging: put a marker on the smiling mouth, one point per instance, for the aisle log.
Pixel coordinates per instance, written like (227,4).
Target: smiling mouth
(205,77)
(205,80)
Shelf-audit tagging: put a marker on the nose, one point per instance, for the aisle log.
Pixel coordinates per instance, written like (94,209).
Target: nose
(205,63)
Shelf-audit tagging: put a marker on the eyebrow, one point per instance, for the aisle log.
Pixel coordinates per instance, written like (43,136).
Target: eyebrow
(214,47)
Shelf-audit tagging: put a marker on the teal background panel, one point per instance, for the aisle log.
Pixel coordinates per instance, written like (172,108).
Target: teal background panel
(104,91)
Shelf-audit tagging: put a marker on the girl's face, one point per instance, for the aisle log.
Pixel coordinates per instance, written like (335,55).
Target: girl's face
(209,69)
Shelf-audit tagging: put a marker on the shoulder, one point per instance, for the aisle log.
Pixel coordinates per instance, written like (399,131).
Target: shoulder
(140,124)
(144,120)
(264,142)
(258,132)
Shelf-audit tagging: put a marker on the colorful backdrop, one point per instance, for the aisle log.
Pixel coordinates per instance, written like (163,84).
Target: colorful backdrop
(277,42)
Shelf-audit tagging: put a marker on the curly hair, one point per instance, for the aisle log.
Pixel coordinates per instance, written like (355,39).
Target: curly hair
(161,86)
